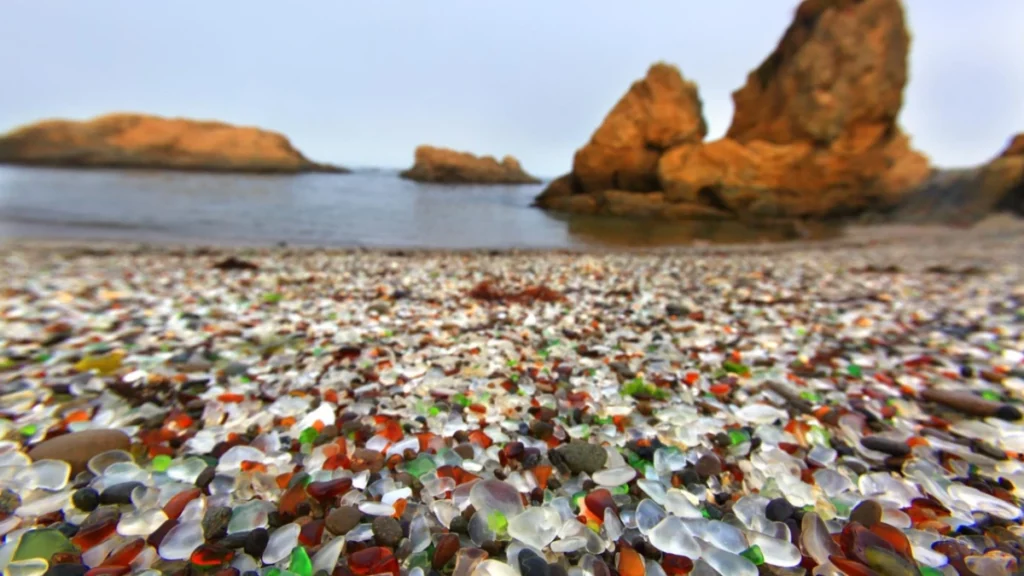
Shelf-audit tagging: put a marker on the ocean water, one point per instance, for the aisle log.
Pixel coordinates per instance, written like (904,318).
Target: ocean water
(369,208)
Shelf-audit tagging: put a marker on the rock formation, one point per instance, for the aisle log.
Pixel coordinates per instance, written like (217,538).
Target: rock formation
(142,141)
(966,196)
(446,166)
(814,133)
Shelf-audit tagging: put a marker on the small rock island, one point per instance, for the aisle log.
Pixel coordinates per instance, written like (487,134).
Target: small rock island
(446,166)
(154,142)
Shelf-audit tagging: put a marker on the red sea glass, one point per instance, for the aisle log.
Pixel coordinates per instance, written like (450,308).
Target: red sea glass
(311,533)
(125,553)
(446,548)
(211,555)
(597,501)
(329,489)
(852,567)
(94,534)
(371,561)
(676,565)
(177,503)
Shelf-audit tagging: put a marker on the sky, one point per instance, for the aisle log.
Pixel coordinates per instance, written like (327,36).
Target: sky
(362,83)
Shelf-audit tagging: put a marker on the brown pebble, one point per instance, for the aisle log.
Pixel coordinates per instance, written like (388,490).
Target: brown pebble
(708,465)
(465,450)
(340,520)
(969,403)
(77,448)
(868,513)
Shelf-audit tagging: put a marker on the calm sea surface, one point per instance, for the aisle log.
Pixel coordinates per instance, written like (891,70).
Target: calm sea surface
(367,208)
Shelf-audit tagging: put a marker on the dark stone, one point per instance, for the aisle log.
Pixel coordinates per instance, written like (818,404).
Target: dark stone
(494,548)
(689,476)
(459,525)
(583,457)
(868,513)
(708,465)
(256,542)
(86,499)
(119,493)
(386,531)
(885,445)
(676,310)
(983,447)
(205,477)
(530,564)
(779,510)
(557,570)
(215,522)
(66,570)
(234,541)
(66,529)
(465,450)
(722,440)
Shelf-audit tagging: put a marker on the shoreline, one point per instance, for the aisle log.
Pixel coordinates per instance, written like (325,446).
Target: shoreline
(854,236)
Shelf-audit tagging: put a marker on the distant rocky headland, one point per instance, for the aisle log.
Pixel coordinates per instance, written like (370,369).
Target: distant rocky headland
(814,136)
(144,141)
(443,165)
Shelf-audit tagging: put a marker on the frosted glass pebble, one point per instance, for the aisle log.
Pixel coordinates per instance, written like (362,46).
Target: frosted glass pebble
(978,501)
(99,463)
(231,461)
(728,563)
(493,568)
(490,495)
(281,542)
(648,515)
(141,522)
(187,470)
(181,541)
(41,502)
(419,534)
(376,508)
(676,502)
(614,476)
(327,557)
(725,536)
(570,544)
(671,537)
(776,552)
(536,526)
(44,474)
(249,516)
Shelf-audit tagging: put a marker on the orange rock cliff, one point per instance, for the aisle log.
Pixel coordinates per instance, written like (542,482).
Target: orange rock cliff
(143,141)
(814,134)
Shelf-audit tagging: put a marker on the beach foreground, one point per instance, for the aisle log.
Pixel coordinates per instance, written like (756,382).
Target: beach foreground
(851,406)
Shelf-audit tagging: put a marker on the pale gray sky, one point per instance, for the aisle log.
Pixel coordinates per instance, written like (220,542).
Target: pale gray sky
(361,83)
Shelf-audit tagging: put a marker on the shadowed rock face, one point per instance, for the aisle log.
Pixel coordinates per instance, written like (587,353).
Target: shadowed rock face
(442,165)
(966,196)
(814,133)
(141,141)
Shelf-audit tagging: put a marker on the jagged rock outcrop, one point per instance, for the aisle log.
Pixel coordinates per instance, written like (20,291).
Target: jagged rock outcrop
(617,171)
(442,165)
(966,196)
(144,141)
(814,135)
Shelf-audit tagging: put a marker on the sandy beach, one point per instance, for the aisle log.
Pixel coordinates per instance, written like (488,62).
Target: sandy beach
(665,411)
